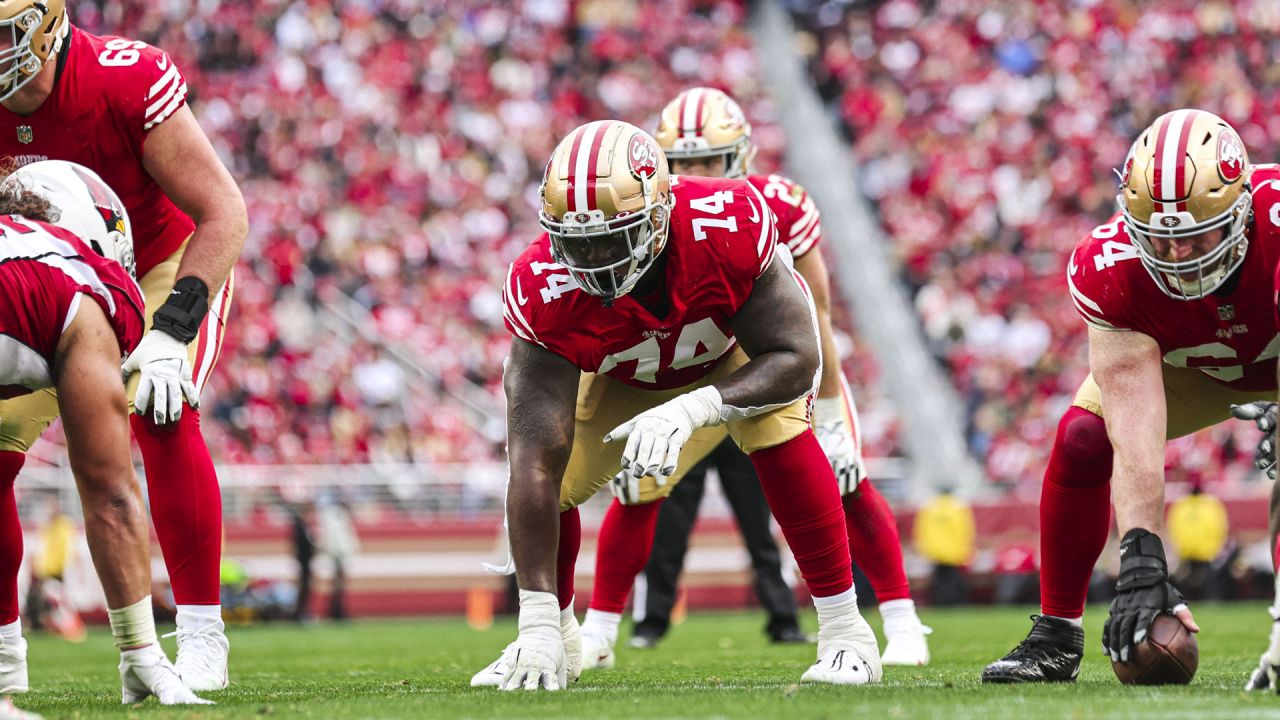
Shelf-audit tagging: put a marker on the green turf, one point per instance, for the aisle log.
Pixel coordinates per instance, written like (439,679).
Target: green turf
(714,665)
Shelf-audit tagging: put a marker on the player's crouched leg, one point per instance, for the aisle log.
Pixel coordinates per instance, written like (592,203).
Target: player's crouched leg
(803,494)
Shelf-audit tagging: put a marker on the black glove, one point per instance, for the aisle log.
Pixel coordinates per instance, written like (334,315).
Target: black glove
(1263,415)
(1143,591)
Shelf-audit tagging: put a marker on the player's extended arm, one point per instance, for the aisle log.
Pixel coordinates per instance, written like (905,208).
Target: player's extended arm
(1126,366)
(775,328)
(542,390)
(178,155)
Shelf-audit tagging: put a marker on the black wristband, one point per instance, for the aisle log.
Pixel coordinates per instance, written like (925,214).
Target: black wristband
(180,316)
(1142,561)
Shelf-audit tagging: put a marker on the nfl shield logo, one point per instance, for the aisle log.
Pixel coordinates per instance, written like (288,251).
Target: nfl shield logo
(1227,313)
(25,135)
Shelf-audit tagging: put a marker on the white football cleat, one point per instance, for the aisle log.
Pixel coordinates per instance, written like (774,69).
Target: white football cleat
(202,656)
(147,671)
(13,668)
(847,650)
(597,652)
(906,644)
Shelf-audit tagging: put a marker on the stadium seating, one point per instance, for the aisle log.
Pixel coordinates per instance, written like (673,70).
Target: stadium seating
(398,164)
(986,135)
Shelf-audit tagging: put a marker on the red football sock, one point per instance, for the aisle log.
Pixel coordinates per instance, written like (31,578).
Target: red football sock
(10,536)
(186,505)
(1075,512)
(874,542)
(626,537)
(1275,552)
(567,555)
(801,490)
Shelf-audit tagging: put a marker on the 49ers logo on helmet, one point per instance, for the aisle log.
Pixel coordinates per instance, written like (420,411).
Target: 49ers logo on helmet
(642,156)
(1230,156)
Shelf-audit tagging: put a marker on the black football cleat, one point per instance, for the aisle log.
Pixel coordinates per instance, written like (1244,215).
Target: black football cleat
(1051,653)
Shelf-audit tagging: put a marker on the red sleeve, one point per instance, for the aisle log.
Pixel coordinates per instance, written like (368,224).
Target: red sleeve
(536,297)
(1098,276)
(799,222)
(148,88)
(762,227)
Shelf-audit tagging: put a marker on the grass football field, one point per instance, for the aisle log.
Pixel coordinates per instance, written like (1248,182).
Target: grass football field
(715,665)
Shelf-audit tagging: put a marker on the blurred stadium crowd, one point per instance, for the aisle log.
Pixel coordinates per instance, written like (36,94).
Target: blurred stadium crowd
(986,134)
(390,152)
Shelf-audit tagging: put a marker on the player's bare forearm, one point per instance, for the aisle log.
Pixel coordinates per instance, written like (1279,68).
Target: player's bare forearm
(1126,366)
(178,155)
(775,328)
(541,390)
(814,270)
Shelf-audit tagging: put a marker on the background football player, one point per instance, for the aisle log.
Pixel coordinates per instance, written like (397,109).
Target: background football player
(118,106)
(635,315)
(1177,290)
(703,132)
(69,314)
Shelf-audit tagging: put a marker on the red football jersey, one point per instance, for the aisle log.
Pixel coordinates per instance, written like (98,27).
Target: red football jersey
(44,273)
(722,237)
(1232,337)
(799,222)
(109,94)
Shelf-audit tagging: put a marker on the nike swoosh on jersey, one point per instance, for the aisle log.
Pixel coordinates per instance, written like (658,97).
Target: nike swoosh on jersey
(520,298)
(755,213)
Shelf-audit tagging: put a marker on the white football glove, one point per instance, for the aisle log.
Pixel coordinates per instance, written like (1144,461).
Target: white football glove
(537,656)
(166,377)
(655,437)
(832,430)
(1263,415)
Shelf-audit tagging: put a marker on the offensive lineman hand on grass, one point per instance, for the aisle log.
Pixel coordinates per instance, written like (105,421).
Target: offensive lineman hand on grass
(165,377)
(1263,415)
(1143,591)
(655,437)
(538,658)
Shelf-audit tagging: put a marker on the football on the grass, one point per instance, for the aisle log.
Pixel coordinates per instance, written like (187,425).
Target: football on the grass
(1168,655)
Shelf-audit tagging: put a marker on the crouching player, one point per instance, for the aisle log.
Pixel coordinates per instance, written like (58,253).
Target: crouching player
(71,309)
(653,318)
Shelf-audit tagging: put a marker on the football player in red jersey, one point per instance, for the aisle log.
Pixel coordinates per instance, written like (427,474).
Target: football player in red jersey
(703,132)
(634,317)
(71,309)
(118,106)
(1177,291)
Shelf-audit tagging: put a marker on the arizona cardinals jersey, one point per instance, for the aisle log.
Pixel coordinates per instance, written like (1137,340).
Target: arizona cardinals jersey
(1231,335)
(721,238)
(109,94)
(799,222)
(45,271)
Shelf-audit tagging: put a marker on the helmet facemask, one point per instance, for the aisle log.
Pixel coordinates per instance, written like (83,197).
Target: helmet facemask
(19,63)
(736,156)
(1196,278)
(606,258)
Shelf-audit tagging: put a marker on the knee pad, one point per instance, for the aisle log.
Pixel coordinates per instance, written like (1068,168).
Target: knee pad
(1083,445)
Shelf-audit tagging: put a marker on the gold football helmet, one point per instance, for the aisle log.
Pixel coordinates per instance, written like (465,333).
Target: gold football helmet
(703,123)
(36,30)
(606,203)
(1187,175)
